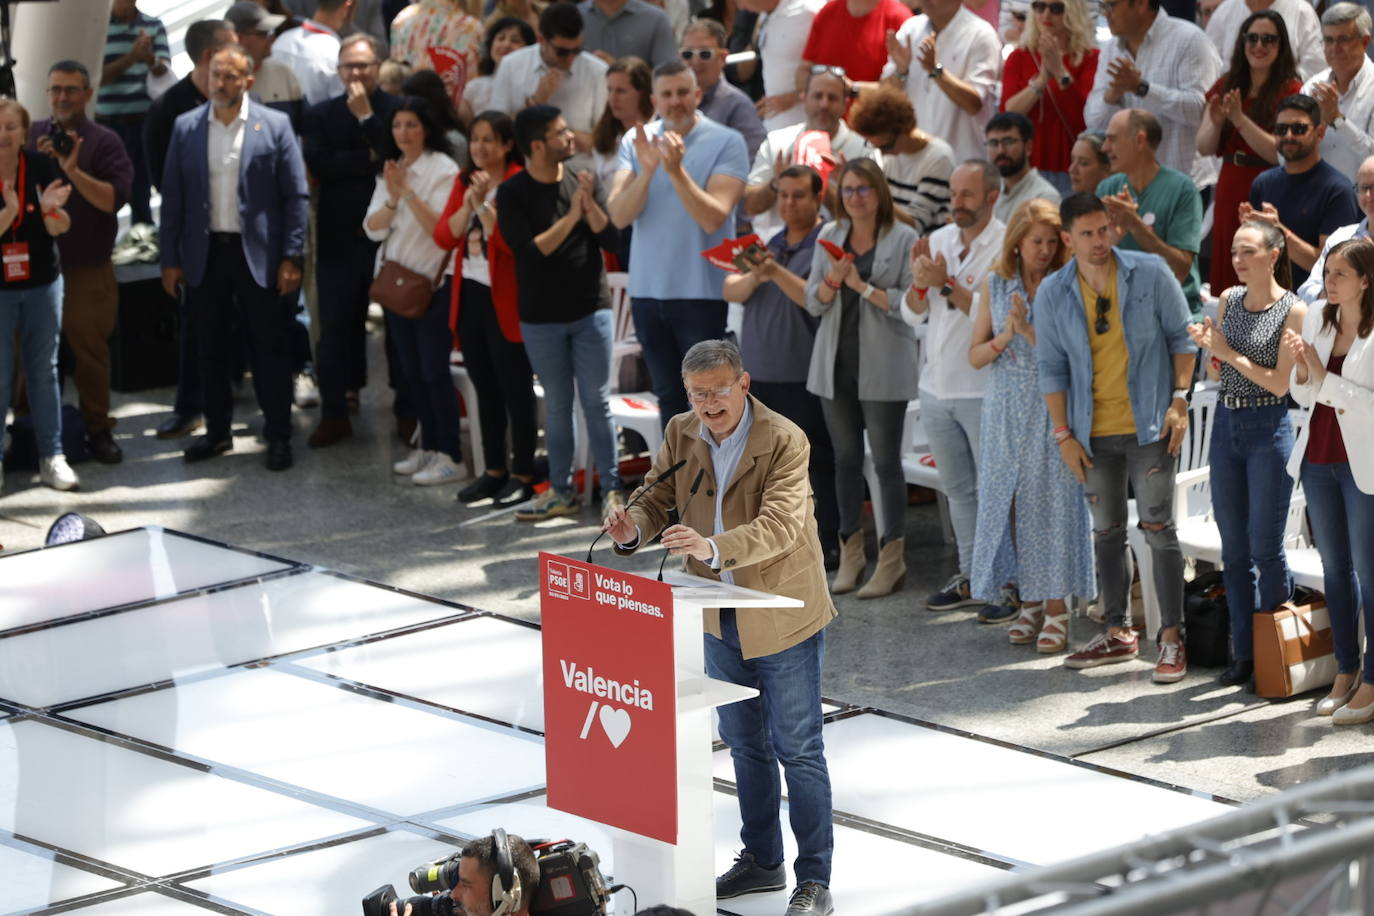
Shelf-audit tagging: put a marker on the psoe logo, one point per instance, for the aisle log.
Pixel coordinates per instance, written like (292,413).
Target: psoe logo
(571,580)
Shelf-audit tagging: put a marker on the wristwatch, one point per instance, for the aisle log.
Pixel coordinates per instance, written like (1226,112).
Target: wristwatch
(1181,394)
(948,289)
(1142,88)
(937,72)
(1338,122)
(1065,81)
(868,293)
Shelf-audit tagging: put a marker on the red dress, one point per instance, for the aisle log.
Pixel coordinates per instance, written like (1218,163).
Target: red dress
(1058,114)
(1233,189)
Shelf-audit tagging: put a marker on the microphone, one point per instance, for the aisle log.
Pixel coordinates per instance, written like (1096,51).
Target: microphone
(671,470)
(696,485)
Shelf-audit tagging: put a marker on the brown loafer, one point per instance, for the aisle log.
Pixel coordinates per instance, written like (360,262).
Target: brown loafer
(330,431)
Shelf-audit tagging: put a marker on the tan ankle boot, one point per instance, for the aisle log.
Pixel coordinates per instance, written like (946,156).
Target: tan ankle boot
(890,573)
(852,563)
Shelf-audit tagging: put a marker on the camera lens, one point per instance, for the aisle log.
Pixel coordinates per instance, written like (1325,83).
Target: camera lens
(435,876)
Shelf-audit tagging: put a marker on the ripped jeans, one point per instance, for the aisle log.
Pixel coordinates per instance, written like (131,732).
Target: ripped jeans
(1149,469)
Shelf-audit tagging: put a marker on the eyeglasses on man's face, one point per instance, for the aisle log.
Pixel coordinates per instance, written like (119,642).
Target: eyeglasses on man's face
(702,395)
(1296,128)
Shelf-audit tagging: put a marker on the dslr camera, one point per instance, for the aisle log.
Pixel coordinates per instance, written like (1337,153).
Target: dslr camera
(62,142)
(570,883)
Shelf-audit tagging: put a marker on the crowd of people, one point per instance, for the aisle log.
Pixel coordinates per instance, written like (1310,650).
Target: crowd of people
(1003,222)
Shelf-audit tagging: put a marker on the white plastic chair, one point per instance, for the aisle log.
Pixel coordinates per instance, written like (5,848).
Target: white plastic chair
(472,455)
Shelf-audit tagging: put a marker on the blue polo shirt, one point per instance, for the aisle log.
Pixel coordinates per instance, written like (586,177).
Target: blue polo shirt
(777,334)
(667,243)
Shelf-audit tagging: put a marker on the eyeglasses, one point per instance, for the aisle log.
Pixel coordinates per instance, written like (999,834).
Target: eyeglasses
(1019,17)
(699,396)
(858,190)
(698,53)
(1056,8)
(1002,142)
(66,90)
(1340,40)
(1104,305)
(1296,128)
(1261,38)
(1364,188)
(566,52)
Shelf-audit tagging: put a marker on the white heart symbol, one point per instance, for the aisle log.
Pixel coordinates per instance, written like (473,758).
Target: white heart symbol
(616,724)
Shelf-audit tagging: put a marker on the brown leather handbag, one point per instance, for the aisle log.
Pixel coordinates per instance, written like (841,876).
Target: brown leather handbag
(399,289)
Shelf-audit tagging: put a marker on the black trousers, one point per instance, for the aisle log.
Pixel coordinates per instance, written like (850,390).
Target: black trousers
(793,401)
(227,297)
(342,279)
(500,371)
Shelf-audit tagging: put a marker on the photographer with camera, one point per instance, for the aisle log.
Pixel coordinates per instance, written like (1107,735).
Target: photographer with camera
(496,875)
(92,159)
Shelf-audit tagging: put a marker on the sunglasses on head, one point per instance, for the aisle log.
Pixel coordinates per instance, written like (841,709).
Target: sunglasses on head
(1296,128)
(1261,38)
(698,53)
(1103,306)
(1040,7)
(818,69)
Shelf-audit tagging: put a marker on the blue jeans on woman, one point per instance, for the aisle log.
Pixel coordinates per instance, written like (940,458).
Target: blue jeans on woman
(1250,491)
(564,353)
(423,346)
(36,314)
(1342,517)
(780,725)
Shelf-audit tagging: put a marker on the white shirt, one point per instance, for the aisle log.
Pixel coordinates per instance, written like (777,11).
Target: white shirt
(947,373)
(477,93)
(1180,65)
(405,240)
(1304,31)
(1348,146)
(581,99)
(784,140)
(1313,288)
(312,52)
(225,154)
(967,48)
(781,39)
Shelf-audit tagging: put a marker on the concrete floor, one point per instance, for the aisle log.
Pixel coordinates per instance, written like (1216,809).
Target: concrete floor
(341,508)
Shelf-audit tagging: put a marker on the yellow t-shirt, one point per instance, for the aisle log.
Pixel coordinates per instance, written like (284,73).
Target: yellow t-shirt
(1112,414)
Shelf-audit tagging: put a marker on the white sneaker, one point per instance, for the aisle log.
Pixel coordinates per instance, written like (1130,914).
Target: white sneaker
(306,392)
(413,464)
(56,473)
(440,469)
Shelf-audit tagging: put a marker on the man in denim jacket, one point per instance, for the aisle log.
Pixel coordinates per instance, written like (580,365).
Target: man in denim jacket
(1116,368)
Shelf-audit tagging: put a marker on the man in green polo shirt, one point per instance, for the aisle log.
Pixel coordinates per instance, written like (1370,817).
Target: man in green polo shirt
(1154,208)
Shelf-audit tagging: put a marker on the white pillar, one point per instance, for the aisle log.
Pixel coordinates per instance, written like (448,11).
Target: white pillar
(44,33)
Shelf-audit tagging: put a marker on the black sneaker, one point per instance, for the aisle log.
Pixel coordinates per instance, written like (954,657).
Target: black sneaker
(810,899)
(955,594)
(484,487)
(514,493)
(1004,612)
(747,876)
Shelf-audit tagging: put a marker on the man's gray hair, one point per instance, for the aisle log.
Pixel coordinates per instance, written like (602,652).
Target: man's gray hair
(1341,13)
(992,179)
(709,355)
(379,50)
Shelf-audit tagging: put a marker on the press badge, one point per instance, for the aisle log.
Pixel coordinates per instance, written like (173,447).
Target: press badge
(15,257)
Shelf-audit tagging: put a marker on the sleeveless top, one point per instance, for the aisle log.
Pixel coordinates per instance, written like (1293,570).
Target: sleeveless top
(1254,335)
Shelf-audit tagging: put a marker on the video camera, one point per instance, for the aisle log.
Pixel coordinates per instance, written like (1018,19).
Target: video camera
(570,884)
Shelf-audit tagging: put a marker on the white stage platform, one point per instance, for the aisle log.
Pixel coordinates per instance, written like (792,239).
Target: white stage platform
(188,727)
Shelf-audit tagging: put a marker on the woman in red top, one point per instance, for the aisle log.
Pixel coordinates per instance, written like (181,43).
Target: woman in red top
(1048,79)
(1240,110)
(485,318)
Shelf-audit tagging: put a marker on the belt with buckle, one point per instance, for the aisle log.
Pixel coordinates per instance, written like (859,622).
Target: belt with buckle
(1248,161)
(1236,402)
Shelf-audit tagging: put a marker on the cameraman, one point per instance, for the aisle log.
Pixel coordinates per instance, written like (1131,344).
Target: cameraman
(93,160)
(477,869)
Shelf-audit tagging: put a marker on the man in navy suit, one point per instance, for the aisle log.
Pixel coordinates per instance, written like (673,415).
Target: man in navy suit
(234,209)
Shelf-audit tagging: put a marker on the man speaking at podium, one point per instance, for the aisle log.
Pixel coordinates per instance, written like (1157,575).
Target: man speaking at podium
(755,528)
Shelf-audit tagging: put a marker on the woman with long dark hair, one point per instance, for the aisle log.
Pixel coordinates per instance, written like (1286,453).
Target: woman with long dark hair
(503,36)
(404,210)
(1240,109)
(1333,376)
(428,85)
(629,100)
(863,364)
(485,315)
(1252,437)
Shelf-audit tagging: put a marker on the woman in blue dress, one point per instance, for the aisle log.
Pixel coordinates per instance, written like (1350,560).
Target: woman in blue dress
(1033,523)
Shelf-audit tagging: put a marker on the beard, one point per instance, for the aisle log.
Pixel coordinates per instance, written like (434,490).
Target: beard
(1006,166)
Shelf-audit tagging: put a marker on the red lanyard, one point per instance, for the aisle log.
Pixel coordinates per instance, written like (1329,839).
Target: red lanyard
(314,29)
(21,191)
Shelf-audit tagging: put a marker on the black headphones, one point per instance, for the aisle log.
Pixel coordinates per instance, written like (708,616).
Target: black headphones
(506,892)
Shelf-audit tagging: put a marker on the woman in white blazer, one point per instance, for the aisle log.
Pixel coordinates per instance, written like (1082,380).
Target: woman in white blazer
(1333,376)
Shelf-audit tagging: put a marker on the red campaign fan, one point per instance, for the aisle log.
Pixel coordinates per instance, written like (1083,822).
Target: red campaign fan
(813,149)
(728,254)
(836,251)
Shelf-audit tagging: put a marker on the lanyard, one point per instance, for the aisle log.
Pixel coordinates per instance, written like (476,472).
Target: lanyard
(21,191)
(313,29)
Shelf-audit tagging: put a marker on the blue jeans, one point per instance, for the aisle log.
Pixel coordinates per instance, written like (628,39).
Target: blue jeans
(36,314)
(781,725)
(423,346)
(953,429)
(1342,517)
(667,329)
(562,354)
(1250,491)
